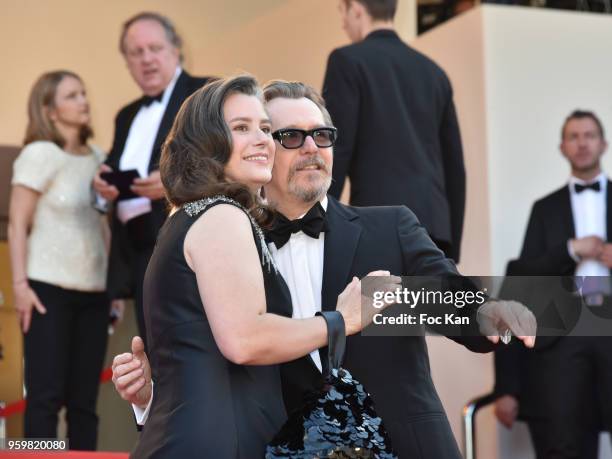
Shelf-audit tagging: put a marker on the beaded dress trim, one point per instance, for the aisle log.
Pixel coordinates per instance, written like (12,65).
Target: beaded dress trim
(194,208)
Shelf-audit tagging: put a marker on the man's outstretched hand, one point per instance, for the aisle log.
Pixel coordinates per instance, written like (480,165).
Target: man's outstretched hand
(132,375)
(497,317)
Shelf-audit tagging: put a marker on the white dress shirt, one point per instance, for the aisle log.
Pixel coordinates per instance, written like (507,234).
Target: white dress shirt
(589,213)
(139,146)
(300,262)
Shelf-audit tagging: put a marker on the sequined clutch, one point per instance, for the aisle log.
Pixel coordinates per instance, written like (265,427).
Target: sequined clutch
(337,421)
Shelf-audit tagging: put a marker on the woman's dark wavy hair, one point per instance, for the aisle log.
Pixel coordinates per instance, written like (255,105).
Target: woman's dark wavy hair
(199,146)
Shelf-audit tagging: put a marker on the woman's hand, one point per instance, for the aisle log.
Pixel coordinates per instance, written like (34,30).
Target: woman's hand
(25,300)
(350,301)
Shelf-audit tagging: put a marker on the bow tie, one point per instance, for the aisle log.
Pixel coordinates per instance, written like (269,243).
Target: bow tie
(312,224)
(593,186)
(148,100)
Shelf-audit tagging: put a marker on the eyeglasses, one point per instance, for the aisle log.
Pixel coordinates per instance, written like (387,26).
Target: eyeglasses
(138,53)
(291,138)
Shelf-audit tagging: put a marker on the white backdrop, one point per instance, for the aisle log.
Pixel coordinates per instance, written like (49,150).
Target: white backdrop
(517,73)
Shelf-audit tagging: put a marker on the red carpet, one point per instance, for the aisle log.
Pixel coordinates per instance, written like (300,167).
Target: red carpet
(61,455)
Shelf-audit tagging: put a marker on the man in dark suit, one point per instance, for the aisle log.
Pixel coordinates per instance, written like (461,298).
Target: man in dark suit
(563,388)
(399,139)
(316,267)
(152,50)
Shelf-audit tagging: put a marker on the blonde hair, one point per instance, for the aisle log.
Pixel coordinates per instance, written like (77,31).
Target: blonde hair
(42,98)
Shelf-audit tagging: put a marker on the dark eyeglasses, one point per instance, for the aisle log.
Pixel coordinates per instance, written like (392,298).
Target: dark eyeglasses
(291,138)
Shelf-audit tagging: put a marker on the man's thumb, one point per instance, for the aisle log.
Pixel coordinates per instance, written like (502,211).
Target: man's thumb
(137,346)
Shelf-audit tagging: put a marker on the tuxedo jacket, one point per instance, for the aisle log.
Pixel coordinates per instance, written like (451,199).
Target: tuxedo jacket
(394,370)
(398,135)
(518,371)
(140,235)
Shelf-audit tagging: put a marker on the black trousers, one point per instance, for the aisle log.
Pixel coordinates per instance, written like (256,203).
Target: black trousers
(64,354)
(141,240)
(576,378)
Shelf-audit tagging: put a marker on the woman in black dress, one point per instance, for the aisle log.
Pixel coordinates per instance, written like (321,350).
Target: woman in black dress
(217,310)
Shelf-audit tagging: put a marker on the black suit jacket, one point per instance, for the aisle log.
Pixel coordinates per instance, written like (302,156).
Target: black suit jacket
(121,280)
(398,135)
(395,370)
(518,371)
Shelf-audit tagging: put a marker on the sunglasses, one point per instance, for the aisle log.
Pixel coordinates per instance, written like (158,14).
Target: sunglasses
(290,138)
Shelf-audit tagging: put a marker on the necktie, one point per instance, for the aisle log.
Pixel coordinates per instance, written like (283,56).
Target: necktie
(593,186)
(148,100)
(312,224)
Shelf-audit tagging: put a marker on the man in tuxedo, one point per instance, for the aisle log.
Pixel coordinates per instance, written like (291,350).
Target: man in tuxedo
(152,51)
(563,388)
(318,261)
(399,137)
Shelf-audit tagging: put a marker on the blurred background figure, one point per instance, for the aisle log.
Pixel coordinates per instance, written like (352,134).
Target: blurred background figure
(564,388)
(151,47)
(399,140)
(58,247)
(432,13)
(461,6)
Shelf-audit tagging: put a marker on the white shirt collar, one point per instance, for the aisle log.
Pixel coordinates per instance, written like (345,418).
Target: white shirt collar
(170,87)
(601,178)
(323,203)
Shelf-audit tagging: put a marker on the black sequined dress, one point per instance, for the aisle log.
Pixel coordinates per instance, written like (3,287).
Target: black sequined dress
(339,420)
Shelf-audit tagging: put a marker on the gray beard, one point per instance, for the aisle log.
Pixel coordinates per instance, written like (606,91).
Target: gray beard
(310,194)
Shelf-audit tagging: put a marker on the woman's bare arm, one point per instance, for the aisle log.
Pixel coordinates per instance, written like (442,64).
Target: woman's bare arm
(220,248)
(21,212)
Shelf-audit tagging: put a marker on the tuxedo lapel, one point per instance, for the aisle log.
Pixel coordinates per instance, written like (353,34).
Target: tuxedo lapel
(123,129)
(608,213)
(179,94)
(567,228)
(340,244)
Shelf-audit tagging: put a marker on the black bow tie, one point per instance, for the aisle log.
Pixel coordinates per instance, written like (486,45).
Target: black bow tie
(312,224)
(593,186)
(148,100)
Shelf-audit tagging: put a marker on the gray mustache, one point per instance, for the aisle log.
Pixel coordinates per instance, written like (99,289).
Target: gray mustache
(312,161)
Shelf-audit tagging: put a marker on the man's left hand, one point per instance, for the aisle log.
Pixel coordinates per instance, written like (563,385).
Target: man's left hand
(496,317)
(606,255)
(150,187)
(132,375)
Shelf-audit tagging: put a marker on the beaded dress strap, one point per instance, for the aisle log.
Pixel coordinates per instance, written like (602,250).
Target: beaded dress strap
(195,208)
